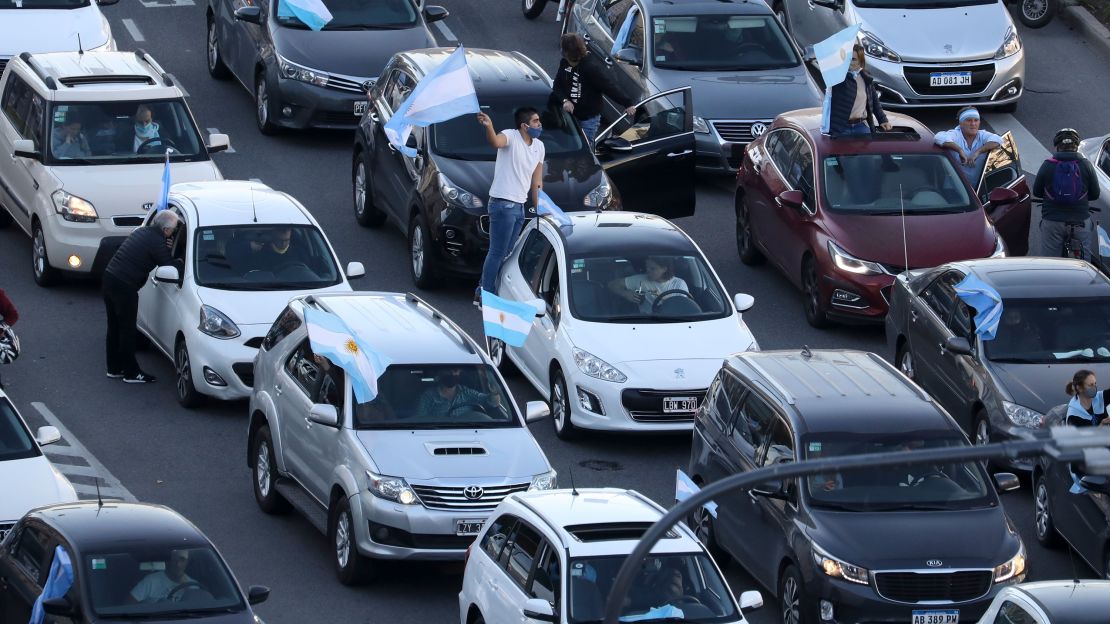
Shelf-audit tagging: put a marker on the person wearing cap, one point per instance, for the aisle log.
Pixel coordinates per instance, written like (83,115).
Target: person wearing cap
(969,143)
(1062,207)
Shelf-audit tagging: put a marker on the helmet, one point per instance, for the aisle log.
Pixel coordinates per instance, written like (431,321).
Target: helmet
(1067,138)
(9,344)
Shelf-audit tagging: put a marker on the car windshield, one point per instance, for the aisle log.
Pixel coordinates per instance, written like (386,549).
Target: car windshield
(721,43)
(918,4)
(885,184)
(463,138)
(110,133)
(682,587)
(1044,331)
(15,440)
(356,15)
(437,396)
(264,257)
(43,4)
(139,581)
(645,287)
(951,485)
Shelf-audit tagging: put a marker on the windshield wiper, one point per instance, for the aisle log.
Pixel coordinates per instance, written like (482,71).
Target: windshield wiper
(227,286)
(909,507)
(1018,360)
(166,615)
(629,317)
(368,27)
(836,506)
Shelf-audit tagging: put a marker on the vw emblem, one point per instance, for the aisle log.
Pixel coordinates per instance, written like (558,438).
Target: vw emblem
(934,563)
(680,373)
(473,492)
(758,128)
(148,206)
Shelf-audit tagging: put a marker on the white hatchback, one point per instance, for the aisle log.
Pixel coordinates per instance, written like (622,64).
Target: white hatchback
(246,250)
(635,339)
(53,26)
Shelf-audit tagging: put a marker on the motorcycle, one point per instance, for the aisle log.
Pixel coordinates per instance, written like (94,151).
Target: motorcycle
(1032,13)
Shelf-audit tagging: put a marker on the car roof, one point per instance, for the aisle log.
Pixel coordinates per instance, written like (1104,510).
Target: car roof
(238,202)
(88,525)
(494,72)
(1074,602)
(101,75)
(619,231)
(808,121)
(840,391)
(1039,278)
(706,7)
(402,326)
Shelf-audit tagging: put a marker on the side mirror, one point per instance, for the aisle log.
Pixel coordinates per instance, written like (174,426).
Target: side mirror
(257,594)
(743,302)
(1002,197)
(167,274)
(1096,483)
(540,305)
(614,144)
(751,600)
(59,607)
(106,2)
(958,345)
(539,610)
(808,55)
(433,13)
(1006,481)
(324,414)
(770,489)
(790,199)
(836,5)
(251,14)
(632,56)
(47,435)
(535,411)
(218,143)
(25,148)
(355,270)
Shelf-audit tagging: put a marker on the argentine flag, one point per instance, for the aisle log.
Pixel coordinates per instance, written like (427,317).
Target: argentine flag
(445,93)
(330,337)
(987,303)
(684,487)
(548,207)
(1103,242)
(312,13)
(834,55)
(57,584)
(508,321)
(626,30)
(164,197)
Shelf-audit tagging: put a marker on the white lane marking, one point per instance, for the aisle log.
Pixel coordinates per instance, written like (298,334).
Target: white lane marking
(153,4)
(230,149)
(446,32)
(133,30)
(110,486)
(1031,151)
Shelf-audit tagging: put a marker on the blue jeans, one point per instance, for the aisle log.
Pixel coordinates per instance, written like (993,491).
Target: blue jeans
(860,128)
(505,220)
(590,127)
(1053,235)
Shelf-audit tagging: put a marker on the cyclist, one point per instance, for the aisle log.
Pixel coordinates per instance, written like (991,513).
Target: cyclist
(1067,183)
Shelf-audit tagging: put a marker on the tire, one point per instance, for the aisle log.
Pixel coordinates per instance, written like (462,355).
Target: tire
(982,429)
(216,67)
(904,360)
(701,521)
(496,350)
(265,473)
(532,8)
(421,259)
(262,106)
(745,241)
(559,402)
(794,606)
(1036,13)
(351,566)
(187,394)
(1043,524)
(45,275)
(817,314)
(366,213)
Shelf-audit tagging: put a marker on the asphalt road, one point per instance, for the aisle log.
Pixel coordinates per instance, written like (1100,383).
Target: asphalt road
(194,461)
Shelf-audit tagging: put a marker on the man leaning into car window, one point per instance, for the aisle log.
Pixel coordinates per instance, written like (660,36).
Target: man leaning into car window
(165,584)
(450,396)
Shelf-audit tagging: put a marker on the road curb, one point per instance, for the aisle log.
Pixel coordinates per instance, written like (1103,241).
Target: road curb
(1082,20)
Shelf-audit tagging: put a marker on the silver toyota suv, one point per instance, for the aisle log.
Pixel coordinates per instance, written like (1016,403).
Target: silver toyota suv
(412,474)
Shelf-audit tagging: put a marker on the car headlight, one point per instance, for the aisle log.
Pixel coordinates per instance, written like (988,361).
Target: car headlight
(545,481)
(1015,567)
(73,208)
(600,197)
(1022,416)
(999,248)
(292,71)
(216,323)
(456,196)
(1011,44)
(836,568)
(700,125)
(391,488)
(875,48)
(847,262)
(596,367)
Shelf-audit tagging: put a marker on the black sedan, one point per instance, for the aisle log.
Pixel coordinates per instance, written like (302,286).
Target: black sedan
(1055,321)
(1074,507)
(301,78)
(129,560)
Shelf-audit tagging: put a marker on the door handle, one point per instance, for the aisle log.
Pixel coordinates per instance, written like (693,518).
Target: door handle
(608,61)
(277,389)
(307,422)
(586,36)
(373,116)
(913,316)
(682,153)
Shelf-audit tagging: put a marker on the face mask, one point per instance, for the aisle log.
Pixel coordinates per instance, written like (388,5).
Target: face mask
(535,132)
(146,131)
(1091,392)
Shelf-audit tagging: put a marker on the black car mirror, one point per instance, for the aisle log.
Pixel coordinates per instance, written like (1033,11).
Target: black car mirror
(614,144)
(106,2)
(433,13)
(771,489)
(251,14)
(1096,483)
(25,148)
(957,345)
(1006,481)
(59,607)
(829,4)
(630,55)
(257,594)
(790,199)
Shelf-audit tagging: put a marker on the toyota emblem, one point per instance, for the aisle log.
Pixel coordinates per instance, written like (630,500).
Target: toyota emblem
(473,492)
(934,563)
(758,128)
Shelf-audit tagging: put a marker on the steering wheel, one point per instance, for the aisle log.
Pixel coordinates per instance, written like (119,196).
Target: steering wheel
(291,265)
(181,588)
(670,293)
(749,44)
(471,404)
(165,142)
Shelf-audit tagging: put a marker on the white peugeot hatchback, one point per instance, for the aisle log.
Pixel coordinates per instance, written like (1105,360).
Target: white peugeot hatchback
(246,250)
(637,321)
(53,26)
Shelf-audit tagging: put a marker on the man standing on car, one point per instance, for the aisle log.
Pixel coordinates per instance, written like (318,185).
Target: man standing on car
(969,143)
(517,173)
(580,82)
(1067,182)
(145,248)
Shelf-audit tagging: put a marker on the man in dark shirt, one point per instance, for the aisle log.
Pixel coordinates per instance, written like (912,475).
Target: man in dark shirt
(147,247)
(1058,212)
(580,82)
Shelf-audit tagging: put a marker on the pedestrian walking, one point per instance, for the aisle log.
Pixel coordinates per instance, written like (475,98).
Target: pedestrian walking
(517,174)
(146,248)
(851,105)
(969,143)
(580,82)
(1067,183)
(9,342)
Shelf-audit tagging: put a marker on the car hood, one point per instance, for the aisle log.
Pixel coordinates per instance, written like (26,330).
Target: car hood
(38,484)
(52,30)
(122,189)
(510,454)
(744,95)
(667,343)
(566,179)
(331,50)
(252,307)
(1037,386)
(965,235)
(965,33)
(975,538)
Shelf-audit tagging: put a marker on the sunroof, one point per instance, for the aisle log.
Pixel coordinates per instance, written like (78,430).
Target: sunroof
(612,531)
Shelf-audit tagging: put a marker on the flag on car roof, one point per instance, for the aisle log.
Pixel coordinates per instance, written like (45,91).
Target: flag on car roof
(987,303)
(57,584)
(330,337)
(445,93)
(508,321)
(834,55)
(548,207)
(312,13)
(684,487)
(164,196)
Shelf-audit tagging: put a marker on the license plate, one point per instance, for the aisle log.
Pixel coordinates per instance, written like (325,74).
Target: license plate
(947,616)
(679,404)
(950,79)
(360,108)
(468,527)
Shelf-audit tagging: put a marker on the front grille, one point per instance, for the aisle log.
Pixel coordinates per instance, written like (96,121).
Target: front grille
(351,85)
(245,372)
(933,586)
(337,118)
(454,498)
(981,76)
(740,131)
(127,221)
(5,526)
(647,405)
(254,343)
(390,536)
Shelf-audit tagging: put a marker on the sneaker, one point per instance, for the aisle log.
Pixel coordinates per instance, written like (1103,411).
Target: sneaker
(139,378)
(112,375)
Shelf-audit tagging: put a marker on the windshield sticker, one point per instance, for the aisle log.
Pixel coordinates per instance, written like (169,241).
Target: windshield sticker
(578,266)
(814,447)
(208,236)
(99,564)
(660,57)
(660,27)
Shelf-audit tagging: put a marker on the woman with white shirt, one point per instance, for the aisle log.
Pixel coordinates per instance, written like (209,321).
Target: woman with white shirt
(643,289)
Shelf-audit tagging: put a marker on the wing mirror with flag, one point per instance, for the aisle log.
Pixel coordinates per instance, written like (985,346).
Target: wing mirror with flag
(444,93)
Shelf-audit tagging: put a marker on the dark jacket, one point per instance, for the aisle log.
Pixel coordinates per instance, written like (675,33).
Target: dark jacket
(584,84)
(143,250)
(1075,213)
(844,95)
(8,313)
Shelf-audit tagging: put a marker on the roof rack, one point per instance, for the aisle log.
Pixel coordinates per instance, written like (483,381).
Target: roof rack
(544,519)
(460,335)
(76,81)
(774,383)
(146,58)
(47,80)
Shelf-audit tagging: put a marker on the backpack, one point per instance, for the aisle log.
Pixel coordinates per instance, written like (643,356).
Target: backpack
(1068,184)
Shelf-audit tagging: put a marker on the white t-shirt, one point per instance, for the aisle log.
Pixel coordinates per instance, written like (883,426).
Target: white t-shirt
(156,586)
(512,173)
(640,283)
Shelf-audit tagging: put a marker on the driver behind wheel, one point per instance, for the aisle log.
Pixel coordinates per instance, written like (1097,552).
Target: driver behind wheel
(145,126)
(270,252)
(450,395)
(160,585)
(643,289)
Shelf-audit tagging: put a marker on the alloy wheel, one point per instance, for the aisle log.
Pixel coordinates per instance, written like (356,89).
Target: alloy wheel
(905,364)
(496,350)
(360,188)
(418,250)
(184,371)
(813,293)
(982,432)
(213,47)
(343,539)
(791,602)
(38,253)
(1034,9)
(1043,519)
(262,99)
(262,468)
(702,525)
(558,405)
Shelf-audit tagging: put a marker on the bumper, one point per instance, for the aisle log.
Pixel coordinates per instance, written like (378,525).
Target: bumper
(860,298)
(228,361)
(629,406)
(310,106)
(389,530)
(861,604)
(460,241)
(93,244)
(906,85)
(722,148)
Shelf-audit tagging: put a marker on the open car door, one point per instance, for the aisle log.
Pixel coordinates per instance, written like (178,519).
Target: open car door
(1003,170)
(651,158)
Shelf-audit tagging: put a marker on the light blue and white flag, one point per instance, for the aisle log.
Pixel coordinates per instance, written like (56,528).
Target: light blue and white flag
(1103,242)
(834,55)
(626,29)
(987,303)
(57,584)
(684,487)
(330,337)
(312,13)
(164,196)
(508,321)
(548,207)
(445,93)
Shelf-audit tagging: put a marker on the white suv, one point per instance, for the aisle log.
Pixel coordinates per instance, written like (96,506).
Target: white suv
(553,556)
(78,171)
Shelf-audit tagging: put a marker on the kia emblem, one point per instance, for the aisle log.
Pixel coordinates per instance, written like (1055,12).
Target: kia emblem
(147,206)
(934,563)
(758,128)
(473,492)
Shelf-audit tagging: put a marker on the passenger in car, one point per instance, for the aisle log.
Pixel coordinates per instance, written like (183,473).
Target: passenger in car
(1087,406)
(145,126)
(163,584)
(69,141)
(643,289)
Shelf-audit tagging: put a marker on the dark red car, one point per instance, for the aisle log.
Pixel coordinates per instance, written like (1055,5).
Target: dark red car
(842,217)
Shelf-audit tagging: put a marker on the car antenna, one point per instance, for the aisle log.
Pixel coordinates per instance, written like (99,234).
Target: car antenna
(806,353)
(99,501)
(573,490)
(80,48)
(902,208)
(254,209)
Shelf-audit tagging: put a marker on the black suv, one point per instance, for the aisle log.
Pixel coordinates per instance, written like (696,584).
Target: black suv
(921,543)
(438,198)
